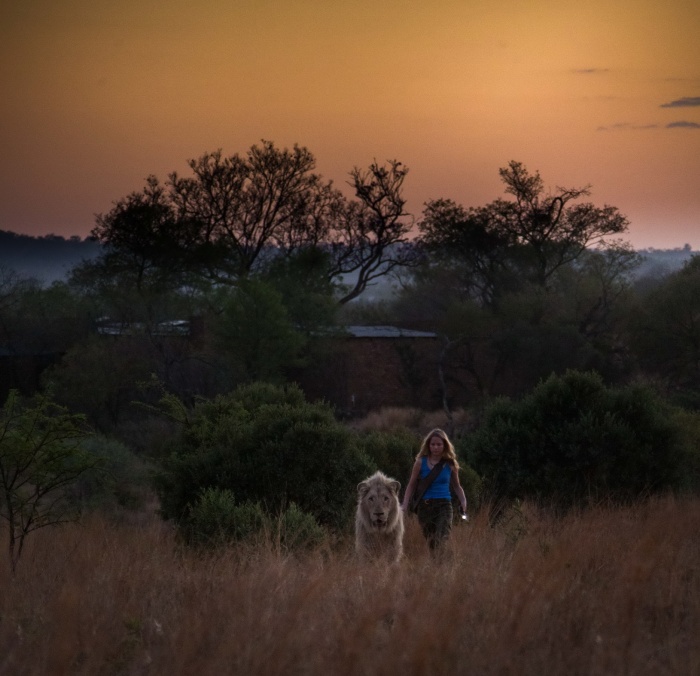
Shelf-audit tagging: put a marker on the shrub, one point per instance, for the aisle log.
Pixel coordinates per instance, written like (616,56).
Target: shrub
(298,529)
(473,486)
(572,440)
(688,424)
(122,483)
(394,418)
(390,418)
(392,452)
(266,444)
(215,519)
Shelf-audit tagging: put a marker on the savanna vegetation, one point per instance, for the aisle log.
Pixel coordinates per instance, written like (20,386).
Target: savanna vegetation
(201,504)
(608,590)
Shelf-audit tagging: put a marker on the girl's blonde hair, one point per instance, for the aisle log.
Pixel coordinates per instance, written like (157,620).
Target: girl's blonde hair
(448,450)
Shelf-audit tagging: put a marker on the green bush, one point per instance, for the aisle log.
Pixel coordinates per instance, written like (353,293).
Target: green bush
(123,481)
(298,529)
(688,424)
(267,445)
(215,519)
(392,452)
(573,440)
(472,485)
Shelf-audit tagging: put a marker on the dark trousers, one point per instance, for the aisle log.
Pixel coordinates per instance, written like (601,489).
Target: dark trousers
(435,519)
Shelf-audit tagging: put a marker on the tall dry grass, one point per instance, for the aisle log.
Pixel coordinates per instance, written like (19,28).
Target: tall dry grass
(417,420)
(608,591)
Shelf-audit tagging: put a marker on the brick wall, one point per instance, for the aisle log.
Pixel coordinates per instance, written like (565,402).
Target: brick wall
(365,374)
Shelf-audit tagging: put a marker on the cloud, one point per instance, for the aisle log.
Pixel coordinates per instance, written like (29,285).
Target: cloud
(686,101)
(627,126)
(590,71)
(683,125)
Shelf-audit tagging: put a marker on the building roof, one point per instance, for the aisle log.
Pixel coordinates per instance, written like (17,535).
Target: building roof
(172,327)
(387,332)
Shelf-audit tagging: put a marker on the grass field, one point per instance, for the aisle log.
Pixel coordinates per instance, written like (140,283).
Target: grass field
(607,591)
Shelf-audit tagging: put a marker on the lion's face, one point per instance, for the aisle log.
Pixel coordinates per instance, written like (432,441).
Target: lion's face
(379,502)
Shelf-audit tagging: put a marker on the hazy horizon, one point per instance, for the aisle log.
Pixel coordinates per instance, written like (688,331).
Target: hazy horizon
(86,238)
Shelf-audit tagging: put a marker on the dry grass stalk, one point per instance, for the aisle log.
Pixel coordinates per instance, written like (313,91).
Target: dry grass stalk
(608,591)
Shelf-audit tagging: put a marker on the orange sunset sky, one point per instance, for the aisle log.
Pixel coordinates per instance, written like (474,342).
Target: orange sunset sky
(98,95)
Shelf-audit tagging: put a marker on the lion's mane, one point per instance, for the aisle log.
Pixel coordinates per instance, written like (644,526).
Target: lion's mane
(379,523)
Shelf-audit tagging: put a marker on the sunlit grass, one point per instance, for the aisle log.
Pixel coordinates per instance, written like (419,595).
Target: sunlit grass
(607,591)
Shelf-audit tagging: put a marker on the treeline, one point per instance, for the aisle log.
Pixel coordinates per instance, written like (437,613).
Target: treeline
(269,261)
(48,258)
(580,379)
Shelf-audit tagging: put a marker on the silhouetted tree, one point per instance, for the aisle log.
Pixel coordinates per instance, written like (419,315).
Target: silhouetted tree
(464,248)
(234,216)
(527,239)
(371,238)
(145,241)
(245,208)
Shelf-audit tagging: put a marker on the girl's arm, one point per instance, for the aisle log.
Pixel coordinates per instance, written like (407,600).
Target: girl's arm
(457,489)
(411,486)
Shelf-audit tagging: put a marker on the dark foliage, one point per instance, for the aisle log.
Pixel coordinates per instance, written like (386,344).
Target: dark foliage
(574,441)
(265,444)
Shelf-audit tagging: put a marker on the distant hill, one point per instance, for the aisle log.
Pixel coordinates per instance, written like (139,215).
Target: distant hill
(48,258)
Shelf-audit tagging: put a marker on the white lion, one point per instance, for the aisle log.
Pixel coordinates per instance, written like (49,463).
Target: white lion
(379,519)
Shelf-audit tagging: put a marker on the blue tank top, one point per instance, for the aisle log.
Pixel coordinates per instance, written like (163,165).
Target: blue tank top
(440,488)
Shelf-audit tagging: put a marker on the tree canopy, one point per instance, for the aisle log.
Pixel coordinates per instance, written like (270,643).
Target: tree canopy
(526,239)
(235,215)
(521,287)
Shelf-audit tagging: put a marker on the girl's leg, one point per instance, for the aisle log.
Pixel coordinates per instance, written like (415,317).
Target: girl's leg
(442,525)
